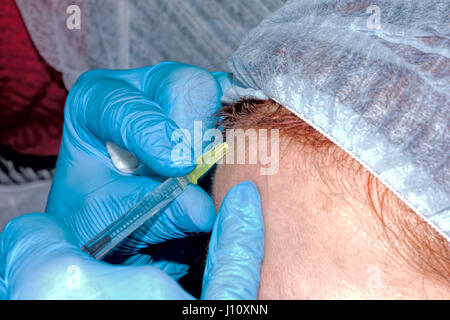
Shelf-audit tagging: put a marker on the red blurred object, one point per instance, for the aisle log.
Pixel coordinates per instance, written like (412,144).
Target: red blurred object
(32,93)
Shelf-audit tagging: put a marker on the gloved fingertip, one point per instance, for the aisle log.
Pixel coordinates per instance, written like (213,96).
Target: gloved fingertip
(176,169)
(167,150)
(176,270)
(241,208)
(192,212)
(28,226)
(241,195)
(237,247)
(148,282)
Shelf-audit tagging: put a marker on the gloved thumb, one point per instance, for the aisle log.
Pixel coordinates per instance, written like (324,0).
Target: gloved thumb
(2,289)
(236,248)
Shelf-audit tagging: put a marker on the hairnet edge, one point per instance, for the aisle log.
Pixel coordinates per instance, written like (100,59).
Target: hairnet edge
(235,93)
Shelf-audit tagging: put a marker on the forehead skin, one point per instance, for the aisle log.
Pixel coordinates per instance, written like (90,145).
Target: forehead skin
(226,176)
(320,243)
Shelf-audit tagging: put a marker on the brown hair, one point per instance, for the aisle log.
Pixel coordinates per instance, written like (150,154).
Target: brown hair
(432,251)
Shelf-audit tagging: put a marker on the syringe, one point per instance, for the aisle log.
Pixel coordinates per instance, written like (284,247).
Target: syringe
(153,203)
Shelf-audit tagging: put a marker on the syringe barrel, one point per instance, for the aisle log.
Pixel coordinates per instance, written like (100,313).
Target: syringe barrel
(153,203)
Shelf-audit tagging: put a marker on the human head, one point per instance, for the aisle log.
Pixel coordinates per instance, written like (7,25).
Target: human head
(370,77)
(333,230)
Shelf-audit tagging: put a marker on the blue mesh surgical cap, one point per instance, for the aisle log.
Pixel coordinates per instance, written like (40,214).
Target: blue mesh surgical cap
(373,77)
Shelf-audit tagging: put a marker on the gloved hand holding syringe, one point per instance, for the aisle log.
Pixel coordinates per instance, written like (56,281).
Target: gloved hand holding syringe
(153,204)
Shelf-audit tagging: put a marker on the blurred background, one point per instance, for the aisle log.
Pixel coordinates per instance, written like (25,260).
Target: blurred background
(46,44)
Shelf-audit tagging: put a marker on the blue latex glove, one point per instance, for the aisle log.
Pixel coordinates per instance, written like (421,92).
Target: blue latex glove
(138,110)
(41,260)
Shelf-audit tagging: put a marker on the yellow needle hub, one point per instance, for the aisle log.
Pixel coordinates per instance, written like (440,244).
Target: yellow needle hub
(206,161)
